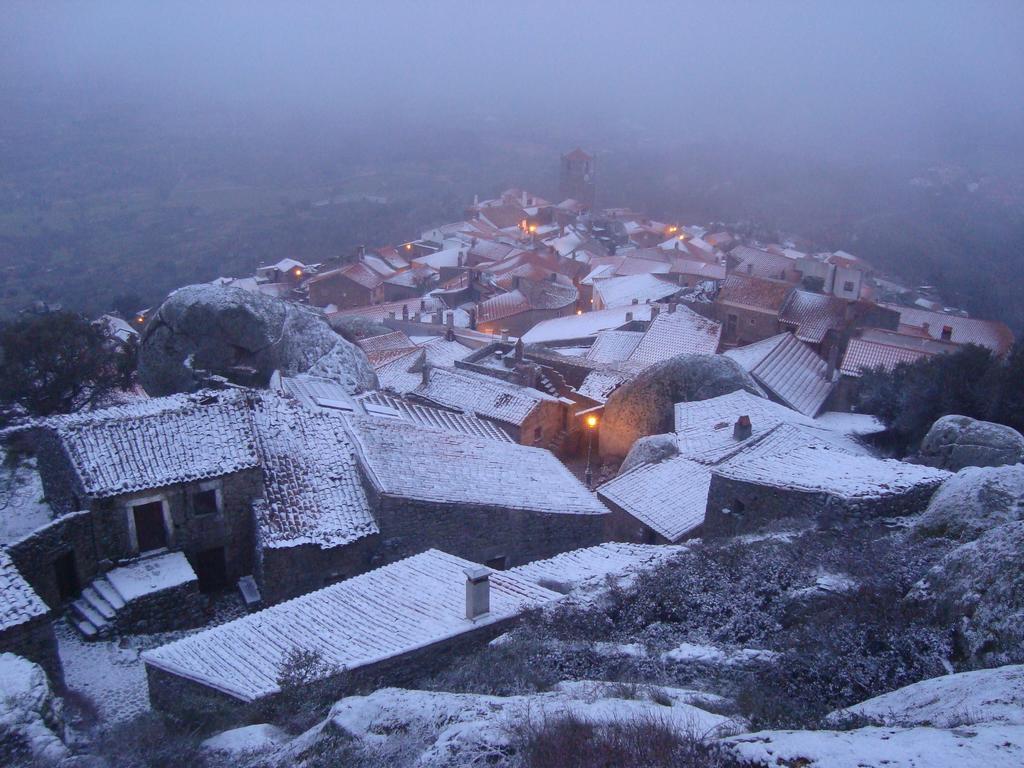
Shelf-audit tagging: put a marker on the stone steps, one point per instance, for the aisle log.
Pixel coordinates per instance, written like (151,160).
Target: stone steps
(94,612)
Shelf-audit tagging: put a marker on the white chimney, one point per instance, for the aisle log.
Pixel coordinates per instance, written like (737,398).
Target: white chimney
(478,591)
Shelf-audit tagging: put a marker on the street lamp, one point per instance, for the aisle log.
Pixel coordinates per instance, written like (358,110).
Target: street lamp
(591,422)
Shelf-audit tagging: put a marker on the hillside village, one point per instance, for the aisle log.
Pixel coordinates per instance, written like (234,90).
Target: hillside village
(399,461)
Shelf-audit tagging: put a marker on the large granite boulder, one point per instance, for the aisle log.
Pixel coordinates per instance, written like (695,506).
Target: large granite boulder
(644,406)
(955,442)
(243,336)
(650,450)
(30,715)
(973,501)
(979,589)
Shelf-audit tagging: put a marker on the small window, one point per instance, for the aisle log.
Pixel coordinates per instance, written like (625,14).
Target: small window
(205,503)
(499,563)
(848,286)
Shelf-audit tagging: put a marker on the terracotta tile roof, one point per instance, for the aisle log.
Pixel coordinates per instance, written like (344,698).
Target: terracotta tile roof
(754,293)
(965,330)
(876,348)
(530,295)
(385,406)
(385,342)
(481,395)
(677,333)
(313,494)
(619,291)
(503,216)
(789,369)
(701,269)
(754,261)
(813,314)
(401,374)
(18,601)
(669,497)
(614,346)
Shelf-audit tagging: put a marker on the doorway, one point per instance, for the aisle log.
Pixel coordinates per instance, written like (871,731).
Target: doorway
(66,575)
(211,569)
(150,532)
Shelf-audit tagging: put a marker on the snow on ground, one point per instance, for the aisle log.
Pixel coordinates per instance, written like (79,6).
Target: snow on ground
(248,738)
(985,746)
(22,509)
(851,423)
(984,696)
(153,574)
(710,654)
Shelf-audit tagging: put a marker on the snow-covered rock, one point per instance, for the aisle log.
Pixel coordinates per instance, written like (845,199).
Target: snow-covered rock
(983,696)
(249,738)
(955,442)
(464,729)
(644,406)
(223,330)
(980,587)
(650,450)
(990,746)
(974,500)
(29,713)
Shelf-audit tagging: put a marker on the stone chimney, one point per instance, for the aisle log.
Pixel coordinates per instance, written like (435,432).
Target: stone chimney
(629,317)
(423,305)
(478,591)
(519,350)
(742,429)
(472,318)
(439,317)
(392,315)
(655,309)
(671,307)
(750,268)
(449,335)
(450,319)
(635,300)
(405,311)
(425,373)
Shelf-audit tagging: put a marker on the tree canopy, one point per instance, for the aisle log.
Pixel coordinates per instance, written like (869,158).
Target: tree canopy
(57,362)
(970,382)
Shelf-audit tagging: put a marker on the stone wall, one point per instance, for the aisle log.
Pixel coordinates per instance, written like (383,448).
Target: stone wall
(287,572)
(753,507)
(518,324)
(481,533)
(35,555)
(35,641)
(751,324)
(179,607)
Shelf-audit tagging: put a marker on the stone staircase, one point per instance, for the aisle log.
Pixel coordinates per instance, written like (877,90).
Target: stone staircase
(93,613)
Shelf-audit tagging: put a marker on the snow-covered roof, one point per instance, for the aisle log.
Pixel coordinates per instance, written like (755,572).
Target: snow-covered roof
(669,497)
(449,257)
(312,490)
(586,325)
(876,348)
(529,295)
(620,291)
(402,373)
(677,333)
(318,393)
(813,314)
(481,395)
(851,423)
(18,601)
(384,406)
(755,293)
(614,346)
(964,330)
(416,462)
(599,385)
(393,610)
(425,305)
(704,428)
(789,369)
(580,567)
(789,458)
(759,263)
(159,442)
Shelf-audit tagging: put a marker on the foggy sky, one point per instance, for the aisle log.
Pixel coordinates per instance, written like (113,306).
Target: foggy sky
(839,76)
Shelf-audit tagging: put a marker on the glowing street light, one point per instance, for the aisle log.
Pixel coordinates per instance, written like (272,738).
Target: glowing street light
(592,421)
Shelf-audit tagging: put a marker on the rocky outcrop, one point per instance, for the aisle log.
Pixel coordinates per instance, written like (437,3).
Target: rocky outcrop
(979,589)
(955,442)
(30,715)
(974,500)
(464,729)
(644,406)
(204,330)
(650,450)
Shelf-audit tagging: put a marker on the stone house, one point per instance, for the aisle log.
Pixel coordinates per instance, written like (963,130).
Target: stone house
(530,416)
(176,473)
(488,501)
(788,476)
(25,627)
(748,308)
(354,285)
(526,304)
(386,626)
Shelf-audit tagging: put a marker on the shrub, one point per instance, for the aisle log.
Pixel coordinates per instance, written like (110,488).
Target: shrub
(309,685)
(569,741)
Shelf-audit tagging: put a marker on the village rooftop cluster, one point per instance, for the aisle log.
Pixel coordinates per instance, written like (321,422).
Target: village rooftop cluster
(388,529)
